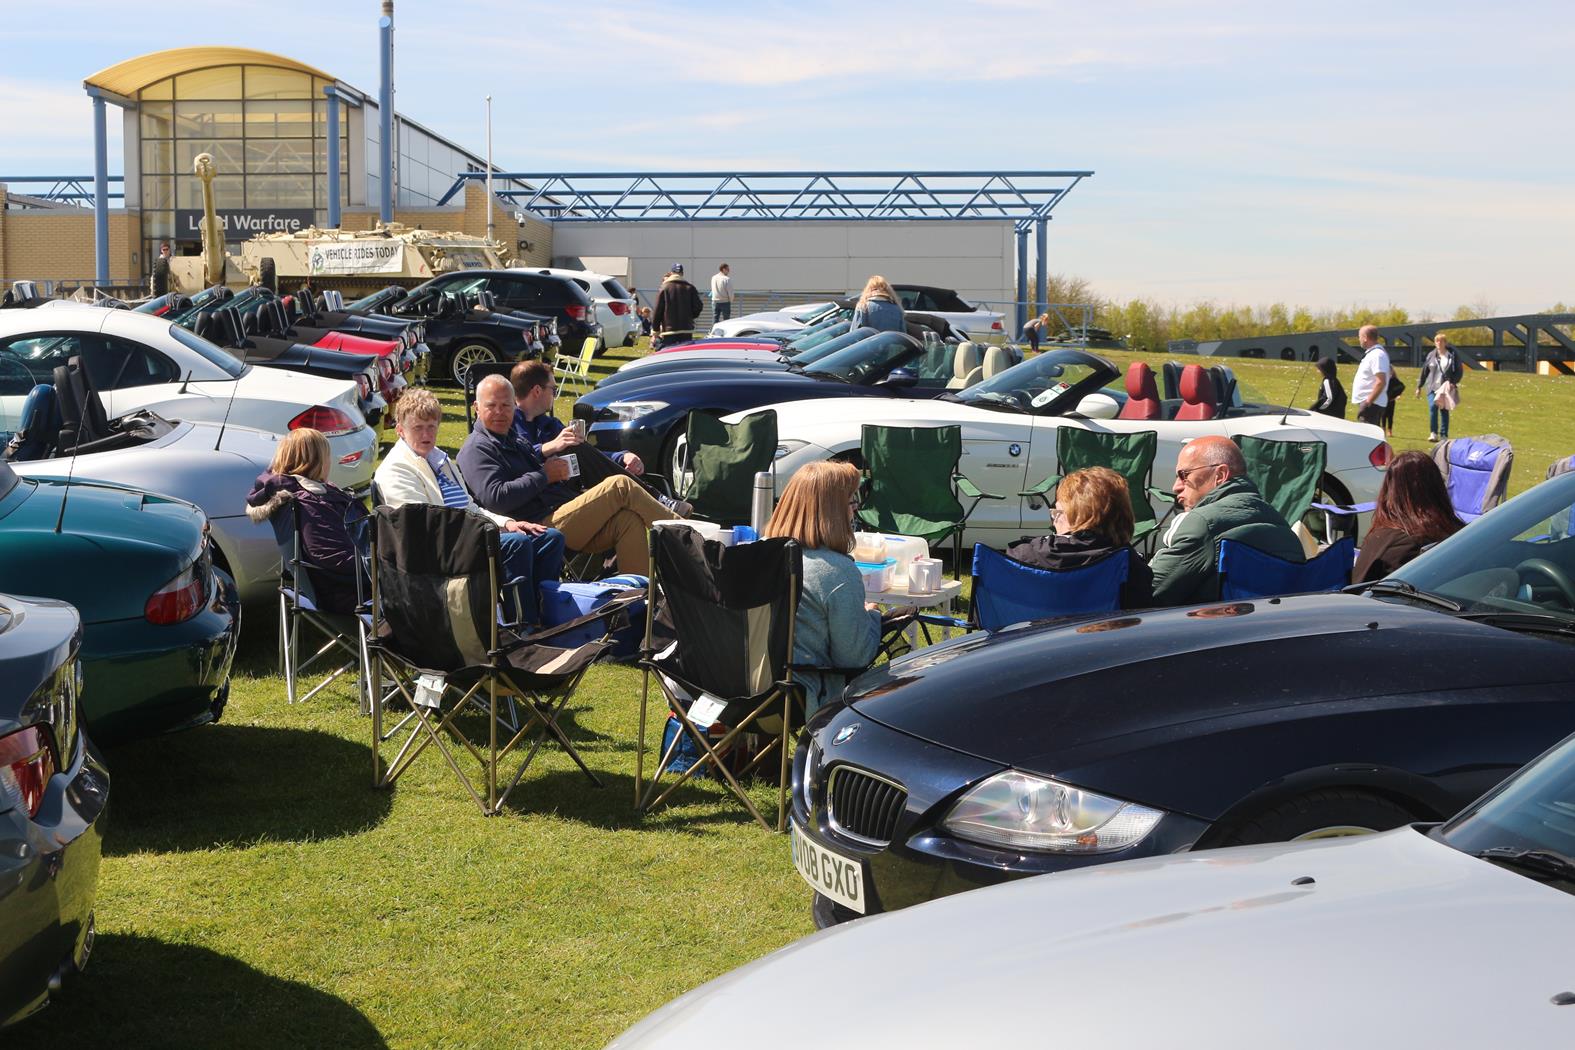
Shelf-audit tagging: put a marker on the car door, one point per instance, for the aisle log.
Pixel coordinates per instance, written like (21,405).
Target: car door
(995,455)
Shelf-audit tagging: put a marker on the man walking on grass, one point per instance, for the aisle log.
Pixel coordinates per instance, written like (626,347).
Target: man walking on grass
(1371,389)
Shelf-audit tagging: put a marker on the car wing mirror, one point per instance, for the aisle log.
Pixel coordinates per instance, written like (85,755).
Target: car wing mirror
(900,379)
(1098,406)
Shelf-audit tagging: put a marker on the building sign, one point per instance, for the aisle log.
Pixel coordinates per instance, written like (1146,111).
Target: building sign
(355,257)
(241,224)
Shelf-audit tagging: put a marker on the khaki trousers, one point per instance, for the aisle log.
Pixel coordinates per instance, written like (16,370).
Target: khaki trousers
(615,513)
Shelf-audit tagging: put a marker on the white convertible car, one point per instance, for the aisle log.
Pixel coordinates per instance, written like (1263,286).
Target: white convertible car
(1009,425)
(138,361)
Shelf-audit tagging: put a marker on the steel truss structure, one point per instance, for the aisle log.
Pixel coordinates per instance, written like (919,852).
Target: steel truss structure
(65,189)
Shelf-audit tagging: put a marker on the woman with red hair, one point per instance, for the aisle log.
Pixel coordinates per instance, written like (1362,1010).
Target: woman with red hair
(1413,512)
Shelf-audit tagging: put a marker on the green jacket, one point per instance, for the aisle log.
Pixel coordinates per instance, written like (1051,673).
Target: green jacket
(1186,564)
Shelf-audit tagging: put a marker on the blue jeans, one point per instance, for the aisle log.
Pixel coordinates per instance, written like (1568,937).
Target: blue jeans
(531,560)
(1437,418)
(723,311)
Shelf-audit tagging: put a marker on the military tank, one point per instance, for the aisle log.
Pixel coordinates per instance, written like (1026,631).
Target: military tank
(359,262)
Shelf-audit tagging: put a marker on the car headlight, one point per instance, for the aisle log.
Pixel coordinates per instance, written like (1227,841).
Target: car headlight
(626,411)
(788,447)
(1023,811)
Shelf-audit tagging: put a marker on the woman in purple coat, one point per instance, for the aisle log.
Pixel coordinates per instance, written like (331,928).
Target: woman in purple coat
(328,515)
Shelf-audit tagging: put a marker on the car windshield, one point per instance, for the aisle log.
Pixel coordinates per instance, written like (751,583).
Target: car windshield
(810,313)
(1528,823)
(375,300)
(1516,560)
(804,358)
(215,355)
(868,360)
(1046,385)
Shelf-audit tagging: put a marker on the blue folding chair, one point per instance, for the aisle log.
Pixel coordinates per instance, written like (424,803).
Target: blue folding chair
(1007,592)
(1246,572)
(1476,472)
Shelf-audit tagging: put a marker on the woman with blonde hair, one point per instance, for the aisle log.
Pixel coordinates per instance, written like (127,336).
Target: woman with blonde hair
(835,627)
(879,307)
(298,477)
(1092,518)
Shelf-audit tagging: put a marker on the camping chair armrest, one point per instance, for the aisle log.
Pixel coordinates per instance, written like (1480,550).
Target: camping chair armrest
(972,491)
(659,482)
(1163,495)
(1043,487)
(954,622)
(1343,511)
(616,605)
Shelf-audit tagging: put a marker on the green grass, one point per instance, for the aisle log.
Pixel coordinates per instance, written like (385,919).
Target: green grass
(256,891)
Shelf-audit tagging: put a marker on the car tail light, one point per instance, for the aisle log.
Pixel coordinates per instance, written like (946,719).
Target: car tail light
(619,309)
(351,457)
(363,385)
(27,761)
(1381,455)
(995,326)
(385,368)
(576,311)
(331,422)
(179,600)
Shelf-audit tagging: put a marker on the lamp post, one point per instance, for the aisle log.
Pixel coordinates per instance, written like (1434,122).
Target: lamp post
(489,167)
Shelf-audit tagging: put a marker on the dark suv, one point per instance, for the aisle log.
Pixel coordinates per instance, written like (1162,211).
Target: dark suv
(542,294)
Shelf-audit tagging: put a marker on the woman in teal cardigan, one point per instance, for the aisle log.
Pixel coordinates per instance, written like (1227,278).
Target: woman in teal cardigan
(835,626)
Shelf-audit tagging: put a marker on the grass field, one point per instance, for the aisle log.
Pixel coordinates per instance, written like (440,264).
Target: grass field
(257,892)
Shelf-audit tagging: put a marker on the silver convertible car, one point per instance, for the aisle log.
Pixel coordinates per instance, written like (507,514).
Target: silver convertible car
(1461,935)
(212,465)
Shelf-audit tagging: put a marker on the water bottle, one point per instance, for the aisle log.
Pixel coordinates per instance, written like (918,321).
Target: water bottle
(761,502)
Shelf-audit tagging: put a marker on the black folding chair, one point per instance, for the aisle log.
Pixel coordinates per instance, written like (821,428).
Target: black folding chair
(307,601)
(731,611)
(435,630)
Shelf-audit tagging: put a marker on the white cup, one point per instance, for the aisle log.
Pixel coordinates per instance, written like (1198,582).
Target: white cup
(924,576)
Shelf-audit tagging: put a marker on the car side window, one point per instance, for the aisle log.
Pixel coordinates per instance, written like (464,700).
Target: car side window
(42,354)
(909,297)
(926,302)
(515,294)
(118,364)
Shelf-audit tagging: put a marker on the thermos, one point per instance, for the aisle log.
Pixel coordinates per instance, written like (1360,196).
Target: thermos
(761,502)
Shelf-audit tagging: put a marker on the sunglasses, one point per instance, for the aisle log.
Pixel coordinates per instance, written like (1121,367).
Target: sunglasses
(1181,475)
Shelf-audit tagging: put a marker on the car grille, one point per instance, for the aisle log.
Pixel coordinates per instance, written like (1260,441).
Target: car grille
(864,806)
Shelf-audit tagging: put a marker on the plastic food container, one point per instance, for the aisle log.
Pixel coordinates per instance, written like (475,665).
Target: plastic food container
(709,530)
(877,575)
(903,549)
(868,547)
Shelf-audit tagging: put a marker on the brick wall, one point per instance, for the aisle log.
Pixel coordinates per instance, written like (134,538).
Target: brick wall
(57,246)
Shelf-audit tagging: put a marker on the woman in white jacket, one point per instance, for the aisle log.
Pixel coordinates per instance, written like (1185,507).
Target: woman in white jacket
(417,471)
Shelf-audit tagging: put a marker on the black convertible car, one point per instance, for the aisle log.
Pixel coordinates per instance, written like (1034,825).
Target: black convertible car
(645,415)
(1056,745)
(462,329)
(52,793)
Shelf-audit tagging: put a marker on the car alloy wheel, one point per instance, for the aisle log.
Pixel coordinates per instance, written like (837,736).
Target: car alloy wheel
(471,354)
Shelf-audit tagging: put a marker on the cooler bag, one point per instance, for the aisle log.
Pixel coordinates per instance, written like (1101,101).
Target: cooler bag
(562,602)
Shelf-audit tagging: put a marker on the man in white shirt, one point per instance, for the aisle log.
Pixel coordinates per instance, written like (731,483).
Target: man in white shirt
(722,293)
(1371,389)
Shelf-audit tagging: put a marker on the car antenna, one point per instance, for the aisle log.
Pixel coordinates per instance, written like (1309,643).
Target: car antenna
(1294,391)
(184,380)
(235,388)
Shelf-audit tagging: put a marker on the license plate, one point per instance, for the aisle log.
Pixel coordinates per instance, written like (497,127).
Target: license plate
(831,874)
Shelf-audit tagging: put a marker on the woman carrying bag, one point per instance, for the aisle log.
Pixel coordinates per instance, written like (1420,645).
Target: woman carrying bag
(1440,381)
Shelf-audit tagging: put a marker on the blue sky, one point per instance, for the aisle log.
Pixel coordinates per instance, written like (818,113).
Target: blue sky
(1324,154)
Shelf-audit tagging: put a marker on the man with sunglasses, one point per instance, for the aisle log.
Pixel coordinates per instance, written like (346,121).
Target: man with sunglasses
(1217,502)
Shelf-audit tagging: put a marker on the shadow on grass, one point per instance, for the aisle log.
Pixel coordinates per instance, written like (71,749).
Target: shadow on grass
(238,785)
(138,991)
(567,794)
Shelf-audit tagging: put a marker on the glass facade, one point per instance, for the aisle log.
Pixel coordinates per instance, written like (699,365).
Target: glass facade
(266,128)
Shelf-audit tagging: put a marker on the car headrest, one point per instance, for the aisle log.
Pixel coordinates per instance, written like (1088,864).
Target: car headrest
(1140,380)
(974,376)
(996,361)
(281,317)
(1197,386)
(203,326)
(250,321)
(966,360)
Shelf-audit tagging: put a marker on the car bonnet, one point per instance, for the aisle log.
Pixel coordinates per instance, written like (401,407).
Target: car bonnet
(1033,694)
(1370,942)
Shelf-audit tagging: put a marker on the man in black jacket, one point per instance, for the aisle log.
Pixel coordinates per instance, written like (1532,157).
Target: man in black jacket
(507,476)
(677,306)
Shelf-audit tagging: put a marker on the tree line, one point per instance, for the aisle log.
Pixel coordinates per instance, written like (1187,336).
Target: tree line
(1147,324)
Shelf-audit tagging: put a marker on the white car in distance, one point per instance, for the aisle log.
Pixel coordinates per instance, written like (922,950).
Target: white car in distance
(787,319)
(138,361)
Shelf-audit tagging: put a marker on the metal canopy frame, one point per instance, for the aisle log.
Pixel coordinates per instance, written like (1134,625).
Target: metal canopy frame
(1020,197)
(67,189)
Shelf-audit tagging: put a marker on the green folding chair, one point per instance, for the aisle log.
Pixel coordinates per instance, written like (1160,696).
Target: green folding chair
(1130,455)
(1287,473)
(912,485)
(720,462)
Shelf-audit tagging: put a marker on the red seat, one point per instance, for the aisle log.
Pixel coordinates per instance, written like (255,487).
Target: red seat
(1142,394)
(1197,394)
